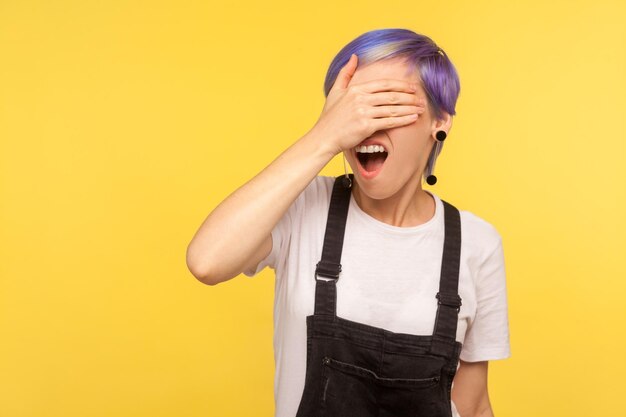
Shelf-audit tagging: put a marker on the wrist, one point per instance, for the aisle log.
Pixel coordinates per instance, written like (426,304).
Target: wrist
(322,143)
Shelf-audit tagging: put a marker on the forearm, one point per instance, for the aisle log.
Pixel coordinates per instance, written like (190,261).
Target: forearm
(238,225)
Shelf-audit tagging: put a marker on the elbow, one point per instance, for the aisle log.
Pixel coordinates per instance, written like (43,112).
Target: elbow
(485,412)
(204,277)
(201,275)
(200,271)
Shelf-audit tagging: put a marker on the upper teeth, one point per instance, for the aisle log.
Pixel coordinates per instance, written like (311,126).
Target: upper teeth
(370,149)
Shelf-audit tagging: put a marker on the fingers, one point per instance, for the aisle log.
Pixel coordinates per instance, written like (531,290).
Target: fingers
(395,111)
(388,84)
(395,98)
(391,122)
(391,91)
(346,73)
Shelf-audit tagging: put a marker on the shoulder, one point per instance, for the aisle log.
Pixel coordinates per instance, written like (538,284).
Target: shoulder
(318,191)
(479,237)
(478,229)
(481,249)
(322,184)
(315,196)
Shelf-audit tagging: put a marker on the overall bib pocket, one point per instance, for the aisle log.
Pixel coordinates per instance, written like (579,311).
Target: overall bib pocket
(372,377)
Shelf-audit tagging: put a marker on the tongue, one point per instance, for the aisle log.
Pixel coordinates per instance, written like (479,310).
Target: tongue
(374,161)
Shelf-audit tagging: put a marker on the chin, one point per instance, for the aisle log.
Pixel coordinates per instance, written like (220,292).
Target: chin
(379,189)
(389,184)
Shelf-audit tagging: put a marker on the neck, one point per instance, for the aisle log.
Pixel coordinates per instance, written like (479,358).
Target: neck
(409,207)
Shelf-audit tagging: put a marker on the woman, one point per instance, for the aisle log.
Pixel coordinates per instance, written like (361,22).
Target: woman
(389,301)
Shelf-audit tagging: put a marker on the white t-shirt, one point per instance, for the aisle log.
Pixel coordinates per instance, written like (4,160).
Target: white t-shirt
(389,278)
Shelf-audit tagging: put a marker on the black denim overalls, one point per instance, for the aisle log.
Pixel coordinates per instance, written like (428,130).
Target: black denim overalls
(357,370)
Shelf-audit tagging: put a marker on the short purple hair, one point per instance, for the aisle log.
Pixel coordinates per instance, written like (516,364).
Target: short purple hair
(436,73)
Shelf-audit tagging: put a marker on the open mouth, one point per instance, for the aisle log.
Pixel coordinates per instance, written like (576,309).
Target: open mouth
(371,161)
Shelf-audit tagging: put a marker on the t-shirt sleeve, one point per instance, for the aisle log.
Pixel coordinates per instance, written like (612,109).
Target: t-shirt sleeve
(278,236)
(487,337)
(281,235)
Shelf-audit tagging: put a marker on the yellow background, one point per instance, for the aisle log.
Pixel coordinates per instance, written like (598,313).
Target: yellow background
(124,123)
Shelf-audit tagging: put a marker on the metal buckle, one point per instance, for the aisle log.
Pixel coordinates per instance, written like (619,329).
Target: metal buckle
(327,270)
(451,300)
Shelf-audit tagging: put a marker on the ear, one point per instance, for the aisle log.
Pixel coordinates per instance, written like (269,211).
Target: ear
(445,124)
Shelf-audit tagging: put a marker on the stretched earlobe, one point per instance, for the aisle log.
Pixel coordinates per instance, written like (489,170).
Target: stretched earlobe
(440,137)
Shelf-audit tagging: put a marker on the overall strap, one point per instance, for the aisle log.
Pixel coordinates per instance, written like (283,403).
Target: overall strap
(330,264)
(449,301)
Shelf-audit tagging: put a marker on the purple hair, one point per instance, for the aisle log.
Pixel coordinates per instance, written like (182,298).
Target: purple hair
(437,74)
